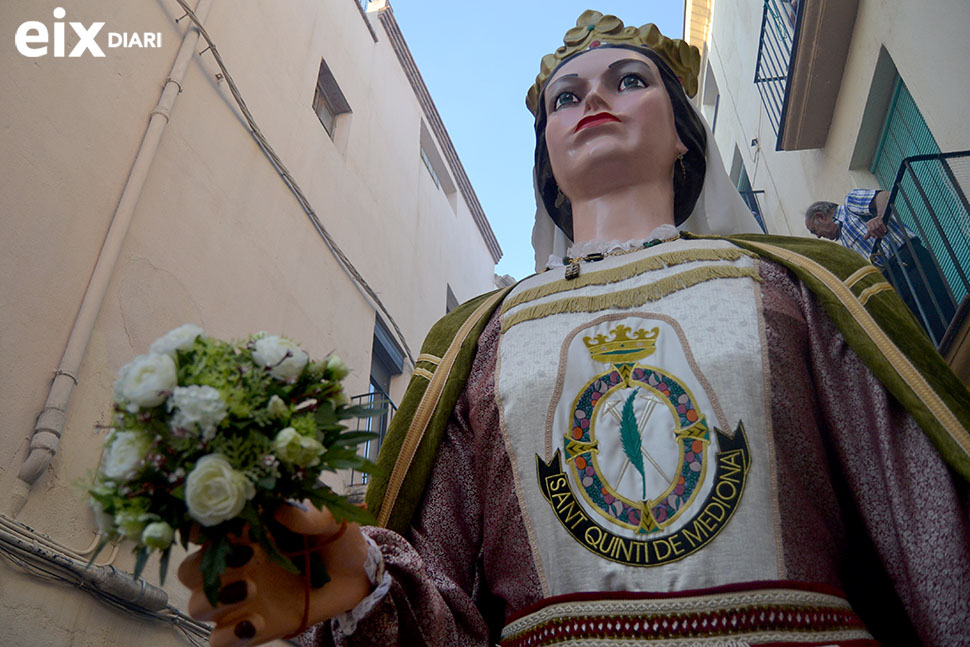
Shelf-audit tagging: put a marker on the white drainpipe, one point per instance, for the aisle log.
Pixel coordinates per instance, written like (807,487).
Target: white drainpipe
(50,422)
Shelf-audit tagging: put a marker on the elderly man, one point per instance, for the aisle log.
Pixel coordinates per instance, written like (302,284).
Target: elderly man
(858,224)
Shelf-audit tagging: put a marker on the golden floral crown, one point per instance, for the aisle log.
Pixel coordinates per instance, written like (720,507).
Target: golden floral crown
(594,29)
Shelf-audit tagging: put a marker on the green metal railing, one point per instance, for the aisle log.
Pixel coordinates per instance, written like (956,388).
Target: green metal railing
(929,196)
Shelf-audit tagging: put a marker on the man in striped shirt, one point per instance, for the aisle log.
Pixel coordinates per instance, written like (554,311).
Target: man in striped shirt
(859,224)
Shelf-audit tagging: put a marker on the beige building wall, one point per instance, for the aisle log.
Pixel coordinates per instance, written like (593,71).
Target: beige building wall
(928,45)
(216,237)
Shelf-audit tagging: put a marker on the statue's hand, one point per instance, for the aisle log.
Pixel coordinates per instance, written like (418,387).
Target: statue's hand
(260,601)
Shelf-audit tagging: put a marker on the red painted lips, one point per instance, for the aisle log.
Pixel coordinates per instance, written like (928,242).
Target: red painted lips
(595,120)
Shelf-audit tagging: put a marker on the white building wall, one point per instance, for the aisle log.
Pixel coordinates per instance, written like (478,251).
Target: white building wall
(216,238)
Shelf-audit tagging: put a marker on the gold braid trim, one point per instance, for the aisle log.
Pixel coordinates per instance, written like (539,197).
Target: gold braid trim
(632,297)
(628,271)
(873,290)
(426,374)
(593,28)
(859,274)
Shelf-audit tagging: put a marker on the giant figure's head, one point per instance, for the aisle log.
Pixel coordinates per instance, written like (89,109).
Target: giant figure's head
(609,70)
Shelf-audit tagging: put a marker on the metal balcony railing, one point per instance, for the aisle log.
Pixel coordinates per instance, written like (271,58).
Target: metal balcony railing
(929,196)
(378,424)
(774,56)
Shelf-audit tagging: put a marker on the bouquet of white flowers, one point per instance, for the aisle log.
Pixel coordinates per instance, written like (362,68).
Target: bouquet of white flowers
(213,436)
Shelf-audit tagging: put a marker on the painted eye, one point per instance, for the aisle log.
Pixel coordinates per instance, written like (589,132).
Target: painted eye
(564,99)
(631,81)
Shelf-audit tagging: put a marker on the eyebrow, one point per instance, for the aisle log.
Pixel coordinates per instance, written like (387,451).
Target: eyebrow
(627,60)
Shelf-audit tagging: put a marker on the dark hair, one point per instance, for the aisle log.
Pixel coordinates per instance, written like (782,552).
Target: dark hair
(690,129)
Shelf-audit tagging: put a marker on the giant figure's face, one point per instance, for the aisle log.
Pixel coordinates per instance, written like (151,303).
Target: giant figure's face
(610,123)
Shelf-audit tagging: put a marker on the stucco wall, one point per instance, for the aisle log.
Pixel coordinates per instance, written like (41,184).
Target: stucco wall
(216,239)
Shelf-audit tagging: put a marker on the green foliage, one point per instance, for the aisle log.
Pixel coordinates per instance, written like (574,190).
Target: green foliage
(630,437)
(213,565)
(305,424)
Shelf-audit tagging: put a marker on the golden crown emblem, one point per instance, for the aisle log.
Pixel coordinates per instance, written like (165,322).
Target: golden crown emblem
(623,347)
(594,29)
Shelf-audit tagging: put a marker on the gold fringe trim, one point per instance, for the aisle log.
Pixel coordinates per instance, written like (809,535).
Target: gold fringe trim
(632,297)
(420,372)
(429,358)
(857,276)
(623,272)
(873,290)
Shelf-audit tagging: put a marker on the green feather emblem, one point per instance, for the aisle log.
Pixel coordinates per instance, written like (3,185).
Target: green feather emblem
(630,436)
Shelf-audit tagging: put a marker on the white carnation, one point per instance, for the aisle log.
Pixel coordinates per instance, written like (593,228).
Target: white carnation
(196,408)
(125,454)
(293,448)
(145,381)
(284,359)
(215,492)
(180,338)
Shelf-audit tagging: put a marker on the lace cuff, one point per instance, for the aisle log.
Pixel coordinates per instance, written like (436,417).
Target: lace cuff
(346,623)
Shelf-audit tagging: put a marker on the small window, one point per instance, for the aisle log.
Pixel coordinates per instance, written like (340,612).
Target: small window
(428,165)
(739,175)
(437,167)
(328,100)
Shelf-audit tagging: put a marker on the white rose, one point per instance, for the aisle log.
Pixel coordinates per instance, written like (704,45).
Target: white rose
(198,408)
(284,359)
(146,381)
(292,447)
(158,534)
(180,338)
(124,456)
(215,492)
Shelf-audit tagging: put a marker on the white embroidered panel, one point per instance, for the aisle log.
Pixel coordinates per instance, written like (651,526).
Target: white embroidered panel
(639,436)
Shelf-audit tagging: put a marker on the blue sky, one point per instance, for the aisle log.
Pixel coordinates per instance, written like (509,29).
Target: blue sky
(478,59)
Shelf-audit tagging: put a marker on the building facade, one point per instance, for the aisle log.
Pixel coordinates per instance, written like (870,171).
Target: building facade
(240,166)
(809,99)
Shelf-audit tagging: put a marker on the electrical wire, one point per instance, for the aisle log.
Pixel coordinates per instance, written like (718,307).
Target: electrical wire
(18,527)
(291,182)
(59,568)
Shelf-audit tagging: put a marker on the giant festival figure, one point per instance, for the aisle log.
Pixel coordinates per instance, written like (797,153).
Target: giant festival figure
(677,431)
